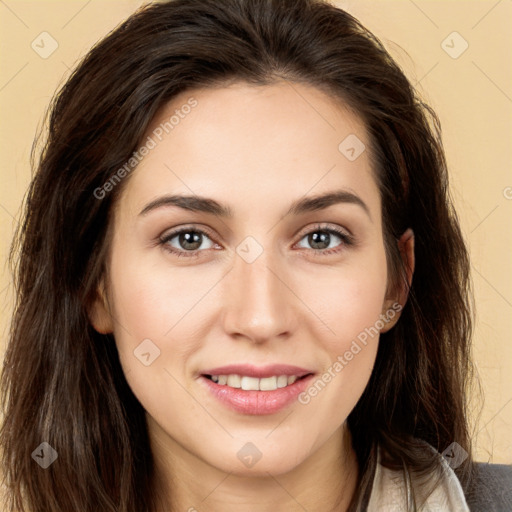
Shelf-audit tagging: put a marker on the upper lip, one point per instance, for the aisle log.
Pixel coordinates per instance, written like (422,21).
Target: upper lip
(258,371)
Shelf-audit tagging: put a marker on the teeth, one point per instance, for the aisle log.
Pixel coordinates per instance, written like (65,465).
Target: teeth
(253,383)
(234,381)
(268,383)
(282,381)
(250,383)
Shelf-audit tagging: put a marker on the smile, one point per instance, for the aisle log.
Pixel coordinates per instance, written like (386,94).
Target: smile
(247,389)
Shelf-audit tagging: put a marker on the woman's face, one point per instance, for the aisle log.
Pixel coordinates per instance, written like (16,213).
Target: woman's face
(259,288)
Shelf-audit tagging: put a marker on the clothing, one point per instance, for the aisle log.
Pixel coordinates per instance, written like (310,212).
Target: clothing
(391,492)
(491,489)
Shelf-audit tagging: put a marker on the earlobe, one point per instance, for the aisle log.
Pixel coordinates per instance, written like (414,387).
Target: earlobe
(396,304)
(99,312)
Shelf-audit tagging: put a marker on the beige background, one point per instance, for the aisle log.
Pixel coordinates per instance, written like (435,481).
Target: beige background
(472,94)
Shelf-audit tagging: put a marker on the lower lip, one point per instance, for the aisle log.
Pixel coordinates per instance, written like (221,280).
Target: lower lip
(257,402)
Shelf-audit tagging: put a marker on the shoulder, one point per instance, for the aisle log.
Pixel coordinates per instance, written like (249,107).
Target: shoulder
(491,490)
(393,489)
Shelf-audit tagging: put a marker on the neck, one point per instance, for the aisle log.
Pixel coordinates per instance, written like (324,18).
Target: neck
(325,481)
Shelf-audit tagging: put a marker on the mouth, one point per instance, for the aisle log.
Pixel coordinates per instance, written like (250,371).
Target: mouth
(256,390)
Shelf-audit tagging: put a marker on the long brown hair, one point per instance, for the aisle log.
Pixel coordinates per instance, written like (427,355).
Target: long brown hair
(62,382)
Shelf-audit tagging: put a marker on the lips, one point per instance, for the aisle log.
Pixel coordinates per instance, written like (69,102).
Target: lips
(255,390)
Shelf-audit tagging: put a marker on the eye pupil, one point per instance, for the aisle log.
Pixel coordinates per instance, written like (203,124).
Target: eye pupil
(319,238)
(187,238)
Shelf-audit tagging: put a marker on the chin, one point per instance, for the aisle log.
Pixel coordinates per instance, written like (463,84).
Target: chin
(257,459)
(262,469)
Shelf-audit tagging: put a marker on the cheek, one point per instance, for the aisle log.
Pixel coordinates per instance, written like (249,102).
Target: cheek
(160,317)
(348,300)
(146,307)
(350,305)
(150,300)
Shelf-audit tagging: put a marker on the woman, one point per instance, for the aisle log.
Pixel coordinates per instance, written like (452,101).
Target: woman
(207,164)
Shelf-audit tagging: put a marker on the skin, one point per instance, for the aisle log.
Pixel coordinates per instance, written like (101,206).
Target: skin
(256,149)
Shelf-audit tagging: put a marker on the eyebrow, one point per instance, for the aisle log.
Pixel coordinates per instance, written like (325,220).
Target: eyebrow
(207,205)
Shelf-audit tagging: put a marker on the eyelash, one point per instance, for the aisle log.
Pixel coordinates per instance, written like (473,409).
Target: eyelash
(346,240)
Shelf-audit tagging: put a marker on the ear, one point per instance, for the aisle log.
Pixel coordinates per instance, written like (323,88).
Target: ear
(99,312)
(399,298)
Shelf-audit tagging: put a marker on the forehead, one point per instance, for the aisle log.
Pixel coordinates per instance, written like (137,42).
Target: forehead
(272,142)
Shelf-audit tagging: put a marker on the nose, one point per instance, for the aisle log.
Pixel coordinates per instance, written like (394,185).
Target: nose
(259,303)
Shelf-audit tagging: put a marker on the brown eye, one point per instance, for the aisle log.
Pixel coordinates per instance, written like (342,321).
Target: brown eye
(327,240)
(186,240)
